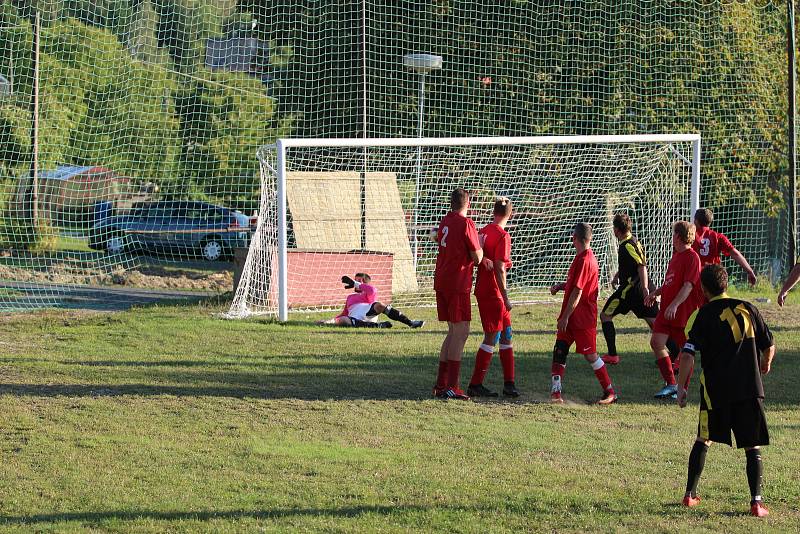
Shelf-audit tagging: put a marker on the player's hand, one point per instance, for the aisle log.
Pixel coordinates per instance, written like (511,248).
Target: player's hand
(507,304)
(781,298)
(766,366)
(562,324)
(555,288)
(751,277)
(682,396)
(487,263)
(646,295)
(671,311)
(615,280)
(649,300)
(348,282)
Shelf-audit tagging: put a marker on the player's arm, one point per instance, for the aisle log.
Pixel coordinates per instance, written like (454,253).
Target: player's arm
(645,281)
(473,243)
(500,276)
(558,286)
(683,294)
(790,282)
(572,303)
(740,259)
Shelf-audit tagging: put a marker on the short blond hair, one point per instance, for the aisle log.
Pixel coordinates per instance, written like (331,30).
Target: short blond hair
(685,230)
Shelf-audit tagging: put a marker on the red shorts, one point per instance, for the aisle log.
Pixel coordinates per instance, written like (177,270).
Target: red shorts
(675,333)
(453,307)
(494,315)
(585,340)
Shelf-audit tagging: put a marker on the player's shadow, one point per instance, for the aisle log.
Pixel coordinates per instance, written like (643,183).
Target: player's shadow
(94,518)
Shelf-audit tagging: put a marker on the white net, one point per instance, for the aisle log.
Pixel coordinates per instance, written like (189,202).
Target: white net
(353,209)
(148,106)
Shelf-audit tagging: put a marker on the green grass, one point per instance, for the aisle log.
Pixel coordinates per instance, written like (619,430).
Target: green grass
(169,419)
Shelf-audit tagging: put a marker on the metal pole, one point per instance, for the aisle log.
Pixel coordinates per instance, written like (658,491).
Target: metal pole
(694,200)
(283,289)
(35,128)
(792,114)
(363,198)
(415,222)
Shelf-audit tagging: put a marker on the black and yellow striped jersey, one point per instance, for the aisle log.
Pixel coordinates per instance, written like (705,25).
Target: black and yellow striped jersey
(730,335)
(630,257)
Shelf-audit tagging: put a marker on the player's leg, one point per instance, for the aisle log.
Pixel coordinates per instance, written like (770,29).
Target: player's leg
(442,307)
(358,323)
(658,341)
(697,460)
(394,314)
(559,366)
(749,426)
(507,358)
(482,360)
(586,345)
(610,309)
(459,313)
(489,310)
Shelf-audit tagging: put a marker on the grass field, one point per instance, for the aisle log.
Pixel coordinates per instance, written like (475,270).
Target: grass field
(169,419)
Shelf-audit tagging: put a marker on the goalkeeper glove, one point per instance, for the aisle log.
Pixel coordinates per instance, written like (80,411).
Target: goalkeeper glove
(348,282)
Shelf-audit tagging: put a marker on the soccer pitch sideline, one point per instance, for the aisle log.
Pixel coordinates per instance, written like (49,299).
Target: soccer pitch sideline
(168,419)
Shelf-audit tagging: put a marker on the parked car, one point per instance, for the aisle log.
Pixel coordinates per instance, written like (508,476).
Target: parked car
(185,228)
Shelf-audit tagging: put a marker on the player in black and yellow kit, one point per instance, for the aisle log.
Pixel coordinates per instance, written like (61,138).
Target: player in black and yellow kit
(634,286)
(736,348)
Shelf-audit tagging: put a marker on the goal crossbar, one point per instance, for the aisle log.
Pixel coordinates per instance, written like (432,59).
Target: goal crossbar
(282,145)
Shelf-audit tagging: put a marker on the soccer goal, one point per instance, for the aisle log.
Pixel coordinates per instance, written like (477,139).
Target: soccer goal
(333,207)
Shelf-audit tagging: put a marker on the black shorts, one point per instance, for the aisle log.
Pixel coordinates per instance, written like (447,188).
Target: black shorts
(746,419)
(628,298)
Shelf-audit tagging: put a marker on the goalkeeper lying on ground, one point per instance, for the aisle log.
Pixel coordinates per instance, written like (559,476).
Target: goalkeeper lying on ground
(362,308)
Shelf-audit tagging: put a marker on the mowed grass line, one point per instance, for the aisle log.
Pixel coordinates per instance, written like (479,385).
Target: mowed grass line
(168,419)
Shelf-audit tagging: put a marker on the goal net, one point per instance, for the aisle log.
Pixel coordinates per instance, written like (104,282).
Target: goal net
(337,207)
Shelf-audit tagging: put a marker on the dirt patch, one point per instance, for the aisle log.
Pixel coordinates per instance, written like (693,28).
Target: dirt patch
(145,277)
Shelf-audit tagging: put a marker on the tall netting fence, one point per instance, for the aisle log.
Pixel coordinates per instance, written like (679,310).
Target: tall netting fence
(150,114)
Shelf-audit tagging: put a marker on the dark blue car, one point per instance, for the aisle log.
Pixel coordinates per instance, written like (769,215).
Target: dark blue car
(183,228)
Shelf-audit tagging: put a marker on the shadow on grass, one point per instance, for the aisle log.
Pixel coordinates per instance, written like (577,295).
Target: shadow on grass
(133,515)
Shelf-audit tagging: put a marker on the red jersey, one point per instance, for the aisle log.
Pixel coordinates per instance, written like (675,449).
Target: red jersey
(683,267)
(709,245)
(583,274)
(496,247)
(457,236)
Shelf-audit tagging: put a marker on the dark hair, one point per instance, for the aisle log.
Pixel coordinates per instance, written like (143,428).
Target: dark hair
(685,230)
(622,222)
(703,217)
(583,231)
(502,207)
(714,278)
(458,199)
(364,276)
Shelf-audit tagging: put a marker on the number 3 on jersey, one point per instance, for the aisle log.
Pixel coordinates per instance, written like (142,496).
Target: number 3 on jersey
(443,241)
(706,248)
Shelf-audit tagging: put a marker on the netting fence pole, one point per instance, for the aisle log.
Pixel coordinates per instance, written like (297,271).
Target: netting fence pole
(695,189)
(283,289)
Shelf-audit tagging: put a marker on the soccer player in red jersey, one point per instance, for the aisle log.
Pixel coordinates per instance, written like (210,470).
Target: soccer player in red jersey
(491,292)
(459,252)
(710,244)
(680,296)
(577,322)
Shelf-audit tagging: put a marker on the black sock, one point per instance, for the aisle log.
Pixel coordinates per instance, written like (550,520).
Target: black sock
(697,459)
(397,315)
(611,337)
(754,473)
(673,349)
(364,324)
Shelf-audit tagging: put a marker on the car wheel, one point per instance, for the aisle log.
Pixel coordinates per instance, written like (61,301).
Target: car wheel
(116,243)
(213,249)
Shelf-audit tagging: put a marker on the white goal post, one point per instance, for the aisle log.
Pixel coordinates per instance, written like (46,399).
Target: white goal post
(335,204)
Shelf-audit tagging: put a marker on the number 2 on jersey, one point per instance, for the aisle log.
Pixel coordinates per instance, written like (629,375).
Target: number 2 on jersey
(445,230)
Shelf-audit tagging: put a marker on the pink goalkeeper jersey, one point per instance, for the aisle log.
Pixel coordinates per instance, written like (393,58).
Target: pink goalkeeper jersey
(358,303)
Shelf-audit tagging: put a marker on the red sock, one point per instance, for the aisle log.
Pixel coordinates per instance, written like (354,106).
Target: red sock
(507,361)
(558,369)
(665,366)
(482,360)
(453,373)
(601,372)
(441,378)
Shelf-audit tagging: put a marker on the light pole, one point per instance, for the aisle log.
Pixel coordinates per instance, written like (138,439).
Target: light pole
(422,64)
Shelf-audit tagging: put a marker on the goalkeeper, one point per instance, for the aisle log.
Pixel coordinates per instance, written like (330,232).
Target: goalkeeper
(361,309)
